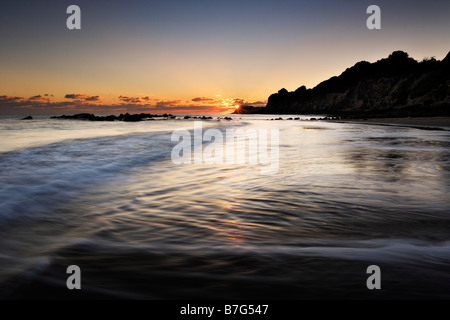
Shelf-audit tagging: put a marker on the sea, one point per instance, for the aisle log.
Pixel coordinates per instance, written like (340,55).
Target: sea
(108,197)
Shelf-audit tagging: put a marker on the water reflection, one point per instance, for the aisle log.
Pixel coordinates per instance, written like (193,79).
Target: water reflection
(344,195)
(399,158)
(390,164)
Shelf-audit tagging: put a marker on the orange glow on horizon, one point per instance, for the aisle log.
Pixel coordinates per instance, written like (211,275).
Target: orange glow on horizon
(105,104)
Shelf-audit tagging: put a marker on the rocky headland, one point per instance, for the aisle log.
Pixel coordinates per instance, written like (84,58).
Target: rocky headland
(397,86)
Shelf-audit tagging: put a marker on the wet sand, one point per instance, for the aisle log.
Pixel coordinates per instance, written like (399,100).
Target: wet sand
(431,123)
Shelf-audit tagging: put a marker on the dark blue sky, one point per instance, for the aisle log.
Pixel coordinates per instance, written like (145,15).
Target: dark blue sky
(184,49)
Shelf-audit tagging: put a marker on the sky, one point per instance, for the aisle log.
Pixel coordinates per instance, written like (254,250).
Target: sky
(196,56)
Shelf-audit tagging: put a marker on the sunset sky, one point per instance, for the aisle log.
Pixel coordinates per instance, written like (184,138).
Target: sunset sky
(195,56)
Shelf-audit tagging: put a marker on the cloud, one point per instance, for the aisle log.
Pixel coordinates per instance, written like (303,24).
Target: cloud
(39,98)
(33,105)
(202,100)
(9,99)
(82,97)
(135,100)
(238,101)
(130,99)
(74,96)
(184,109)
(154,105)
(39,104)
(79,102)
(207,101)
(244,102)
(166,104)
(93,98)
(12,104)
(257,103)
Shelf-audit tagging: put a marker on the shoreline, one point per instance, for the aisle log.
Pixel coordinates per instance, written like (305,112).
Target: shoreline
(424,123)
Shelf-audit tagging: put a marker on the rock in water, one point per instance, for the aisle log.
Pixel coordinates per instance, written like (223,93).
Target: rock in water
(27,118)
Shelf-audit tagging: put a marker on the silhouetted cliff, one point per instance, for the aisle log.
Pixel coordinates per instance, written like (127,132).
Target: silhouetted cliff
(397,86)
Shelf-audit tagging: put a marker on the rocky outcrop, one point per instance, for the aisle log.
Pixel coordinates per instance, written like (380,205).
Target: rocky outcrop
(123,117)
(248,110)
(397,86)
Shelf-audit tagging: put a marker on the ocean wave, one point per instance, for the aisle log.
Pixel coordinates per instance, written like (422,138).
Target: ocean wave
(34,180)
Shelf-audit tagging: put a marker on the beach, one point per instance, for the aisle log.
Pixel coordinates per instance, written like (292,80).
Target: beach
(422,123)
(108,198)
